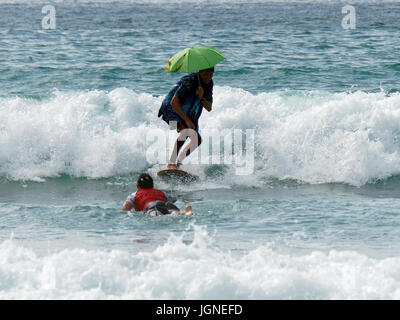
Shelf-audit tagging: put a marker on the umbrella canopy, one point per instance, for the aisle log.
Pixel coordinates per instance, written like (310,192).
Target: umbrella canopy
(194,59)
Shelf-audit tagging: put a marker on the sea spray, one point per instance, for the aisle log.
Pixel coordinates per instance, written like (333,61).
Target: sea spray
(190,266)
(314,137)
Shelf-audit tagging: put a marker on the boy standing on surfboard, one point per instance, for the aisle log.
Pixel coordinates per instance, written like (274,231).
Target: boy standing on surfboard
(184,104)
(152,201)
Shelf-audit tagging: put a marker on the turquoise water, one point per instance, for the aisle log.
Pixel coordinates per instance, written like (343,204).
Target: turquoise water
(317,217)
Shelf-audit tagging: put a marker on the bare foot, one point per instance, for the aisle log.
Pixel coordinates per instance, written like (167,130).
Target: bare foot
(172,166)
(188,211)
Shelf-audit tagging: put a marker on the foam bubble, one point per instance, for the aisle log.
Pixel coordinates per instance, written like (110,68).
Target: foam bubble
(94,134)
(311,136)
(194,269)
(344,137)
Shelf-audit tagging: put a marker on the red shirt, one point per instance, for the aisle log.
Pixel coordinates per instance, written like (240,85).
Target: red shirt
(144,196)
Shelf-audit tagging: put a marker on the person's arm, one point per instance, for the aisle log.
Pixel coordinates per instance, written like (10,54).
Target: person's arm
(206,103)
(129,204)
(176,106)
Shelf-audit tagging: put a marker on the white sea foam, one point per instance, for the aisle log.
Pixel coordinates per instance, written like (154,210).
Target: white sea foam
(198,270)
(314,137)
(94,134)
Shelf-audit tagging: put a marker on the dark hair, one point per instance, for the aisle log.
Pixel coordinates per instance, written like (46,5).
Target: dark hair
(208,69)
(145,181)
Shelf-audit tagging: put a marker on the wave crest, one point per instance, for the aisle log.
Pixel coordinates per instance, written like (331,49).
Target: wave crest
(311,136)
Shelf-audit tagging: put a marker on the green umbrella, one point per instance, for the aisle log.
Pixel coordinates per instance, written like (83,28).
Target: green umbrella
(194,59)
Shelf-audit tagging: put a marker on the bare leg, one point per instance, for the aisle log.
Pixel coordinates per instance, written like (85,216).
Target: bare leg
(153,213)
(195,141)
(188,211)
(180,141)
(190,147)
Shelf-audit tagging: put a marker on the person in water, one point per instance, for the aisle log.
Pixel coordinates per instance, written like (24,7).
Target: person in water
(152,201)
(184,105)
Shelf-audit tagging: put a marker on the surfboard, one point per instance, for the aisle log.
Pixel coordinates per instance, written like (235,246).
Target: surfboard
(179,175)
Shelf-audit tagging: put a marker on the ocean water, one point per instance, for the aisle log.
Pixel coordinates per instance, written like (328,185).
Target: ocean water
(316,213)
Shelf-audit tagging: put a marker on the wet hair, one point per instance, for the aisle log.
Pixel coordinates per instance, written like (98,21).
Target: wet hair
(145,181)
